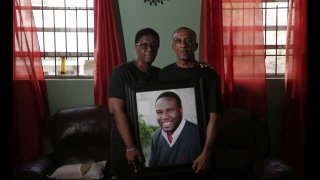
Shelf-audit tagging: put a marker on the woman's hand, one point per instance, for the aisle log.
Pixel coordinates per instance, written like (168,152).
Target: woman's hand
(135,159)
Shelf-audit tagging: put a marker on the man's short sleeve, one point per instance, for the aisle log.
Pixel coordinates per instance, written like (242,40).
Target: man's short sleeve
(214,92)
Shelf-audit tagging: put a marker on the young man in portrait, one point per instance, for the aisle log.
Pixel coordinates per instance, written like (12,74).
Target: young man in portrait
(177,140)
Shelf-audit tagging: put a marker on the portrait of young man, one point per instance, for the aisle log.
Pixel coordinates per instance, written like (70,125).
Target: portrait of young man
(176,142)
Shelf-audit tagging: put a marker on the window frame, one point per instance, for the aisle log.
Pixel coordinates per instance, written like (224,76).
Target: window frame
(90,55)
(74,55)
(276,28)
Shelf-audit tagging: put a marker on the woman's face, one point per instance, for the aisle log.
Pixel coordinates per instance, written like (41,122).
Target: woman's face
(147,49)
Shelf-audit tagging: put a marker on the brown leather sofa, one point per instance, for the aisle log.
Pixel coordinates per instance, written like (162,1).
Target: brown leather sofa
(243,148)
(79,134)
(71,135)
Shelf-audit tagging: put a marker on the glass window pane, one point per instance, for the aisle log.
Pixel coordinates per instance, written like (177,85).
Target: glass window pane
(83,42)
(271,17)
(91,42)
(59,18)
(48,66)
(270,52)
(72,3)
(270,64)
(88,67)
(76,3)
(226,13)
(49,41)
(48,18)
(72,41)
(40,38)
(271,38)
(237,5)
(282,52)
(36,2)
(82,18)
(281,64)
(248,16)
(71,18)
(90,19)
(54,3)
(282,37)
(275,4)
(71,66)
(282,17)
(237,13)
(90,3)
(37,14)
(61,42)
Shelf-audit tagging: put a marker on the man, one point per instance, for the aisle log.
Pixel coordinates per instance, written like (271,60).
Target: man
(126,158)
(187,67)
(177,141)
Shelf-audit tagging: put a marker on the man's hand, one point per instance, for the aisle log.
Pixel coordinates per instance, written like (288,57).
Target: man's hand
(201,164)
(135,159)
(204,64)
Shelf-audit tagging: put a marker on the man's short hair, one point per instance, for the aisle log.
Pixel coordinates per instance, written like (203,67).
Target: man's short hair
(146,31)
(170,94)
(189,29)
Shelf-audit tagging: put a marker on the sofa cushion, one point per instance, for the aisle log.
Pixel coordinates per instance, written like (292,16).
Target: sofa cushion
(89,170)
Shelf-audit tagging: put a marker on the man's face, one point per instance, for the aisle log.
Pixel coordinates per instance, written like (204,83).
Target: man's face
(184,44)
(147,49)
(169,114)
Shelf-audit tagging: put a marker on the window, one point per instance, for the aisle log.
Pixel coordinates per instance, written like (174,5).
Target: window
(275,14)
(65,31)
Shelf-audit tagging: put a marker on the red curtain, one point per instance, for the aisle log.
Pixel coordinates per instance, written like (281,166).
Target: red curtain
(296,87)
(107,52)
(30,101)
(231,40)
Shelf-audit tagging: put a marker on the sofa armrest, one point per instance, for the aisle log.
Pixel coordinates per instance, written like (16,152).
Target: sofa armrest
(273,169)
(36,169)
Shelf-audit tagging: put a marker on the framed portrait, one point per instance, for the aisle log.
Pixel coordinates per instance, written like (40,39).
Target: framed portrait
(169,124)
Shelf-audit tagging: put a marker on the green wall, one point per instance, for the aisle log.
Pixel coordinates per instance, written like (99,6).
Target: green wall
(64,93)
(164,18)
